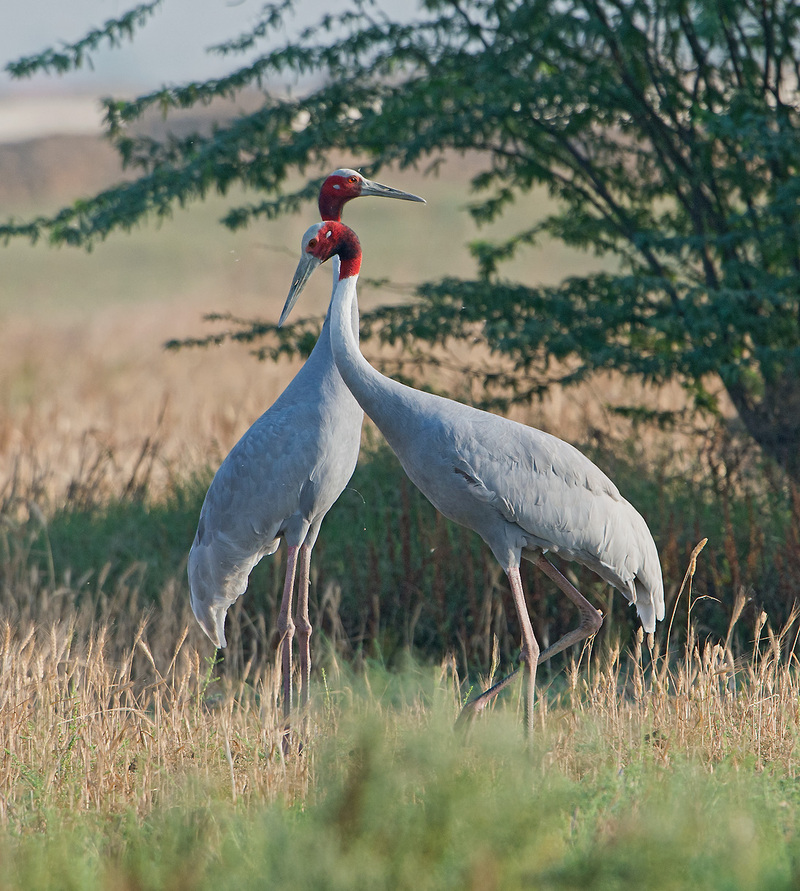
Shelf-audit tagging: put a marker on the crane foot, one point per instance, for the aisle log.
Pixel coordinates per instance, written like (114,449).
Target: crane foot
(479,703)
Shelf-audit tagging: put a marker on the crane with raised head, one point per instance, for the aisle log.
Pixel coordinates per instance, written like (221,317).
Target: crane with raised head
(524,491)
(281,478)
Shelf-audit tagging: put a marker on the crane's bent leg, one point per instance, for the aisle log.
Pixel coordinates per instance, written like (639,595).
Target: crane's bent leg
(303,623)
(591,620)
(286,629)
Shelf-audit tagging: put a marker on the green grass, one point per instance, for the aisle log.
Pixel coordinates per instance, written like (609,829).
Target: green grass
(398,800)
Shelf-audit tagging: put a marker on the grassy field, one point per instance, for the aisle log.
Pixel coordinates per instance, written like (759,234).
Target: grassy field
(140,768)
(130,757)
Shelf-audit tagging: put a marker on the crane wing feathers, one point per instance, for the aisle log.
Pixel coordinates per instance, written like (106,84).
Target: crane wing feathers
(548,495)
(566,504)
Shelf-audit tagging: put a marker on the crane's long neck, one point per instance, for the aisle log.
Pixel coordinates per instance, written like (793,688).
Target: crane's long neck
(375,393)
(330,206)
(324,339)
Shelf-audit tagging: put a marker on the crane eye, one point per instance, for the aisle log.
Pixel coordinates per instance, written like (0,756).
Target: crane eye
(353,179)
(312,243)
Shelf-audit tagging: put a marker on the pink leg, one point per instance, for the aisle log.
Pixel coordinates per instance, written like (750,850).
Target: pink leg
(286,629)
(303,624)
(590,623)
(530,647)
(591,619)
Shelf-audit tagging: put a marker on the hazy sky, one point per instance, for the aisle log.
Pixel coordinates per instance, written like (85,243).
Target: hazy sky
(168,49)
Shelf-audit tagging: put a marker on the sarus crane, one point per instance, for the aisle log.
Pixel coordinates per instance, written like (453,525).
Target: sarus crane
(525,492)
(281,478)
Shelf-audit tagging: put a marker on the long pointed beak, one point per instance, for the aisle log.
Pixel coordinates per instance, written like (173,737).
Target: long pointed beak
(378,190)
(303,273)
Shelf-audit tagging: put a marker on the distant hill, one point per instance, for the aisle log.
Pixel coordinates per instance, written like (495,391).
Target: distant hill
(53,170)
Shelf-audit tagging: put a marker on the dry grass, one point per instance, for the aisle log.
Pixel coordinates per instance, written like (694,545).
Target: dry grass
(105,711)
(99,401)
(99,392)
(94,722)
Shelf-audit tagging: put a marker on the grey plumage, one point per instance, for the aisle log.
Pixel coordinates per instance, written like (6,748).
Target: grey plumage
(279,480)
(523,491)
(520,489)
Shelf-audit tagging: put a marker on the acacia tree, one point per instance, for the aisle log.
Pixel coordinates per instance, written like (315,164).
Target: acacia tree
(667,130)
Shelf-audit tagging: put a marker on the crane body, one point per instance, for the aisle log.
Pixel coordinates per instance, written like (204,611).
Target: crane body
(521,489)
(525,492)
(277,482)
(281,478)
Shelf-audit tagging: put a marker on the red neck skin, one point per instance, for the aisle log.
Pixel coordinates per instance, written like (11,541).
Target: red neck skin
(349,254)
(348,247)
(330,208)
(350,267)
(331,202)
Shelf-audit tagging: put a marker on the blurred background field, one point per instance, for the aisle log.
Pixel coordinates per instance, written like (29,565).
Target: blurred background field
(96,322)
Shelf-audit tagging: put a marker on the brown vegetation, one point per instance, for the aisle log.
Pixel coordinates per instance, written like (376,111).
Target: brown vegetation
(107,708)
